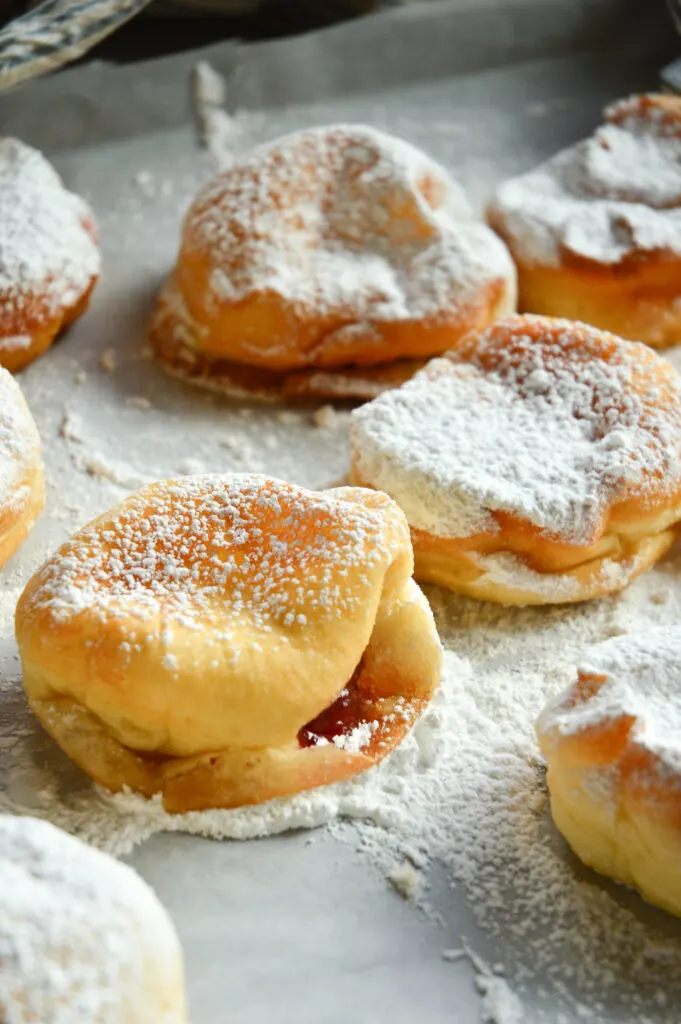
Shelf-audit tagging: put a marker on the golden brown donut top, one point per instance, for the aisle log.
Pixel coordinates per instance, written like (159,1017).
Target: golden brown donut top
(341,222)
(624,707)
(48,253)
(19,449)
(549,421)
(198,547)
(214,611)
(609,199)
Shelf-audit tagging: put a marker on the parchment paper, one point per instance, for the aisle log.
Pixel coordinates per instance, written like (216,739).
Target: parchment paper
(296,927)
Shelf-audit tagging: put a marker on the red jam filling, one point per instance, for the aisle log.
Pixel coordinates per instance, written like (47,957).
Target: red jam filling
(346,713)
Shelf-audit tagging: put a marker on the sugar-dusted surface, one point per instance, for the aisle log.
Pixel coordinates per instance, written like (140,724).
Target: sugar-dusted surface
(224,613)
(207,547)
(83,940)
(548,423)
(295,917)
(344,220)
(610,196)
(19,445)
(642,678)
(48,257)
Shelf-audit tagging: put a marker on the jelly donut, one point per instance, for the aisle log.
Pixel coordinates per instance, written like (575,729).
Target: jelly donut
(222,640)
(22,483)
(612,742)
(538,463)
(329,262)
(49,259)
(83,939)
(596,231)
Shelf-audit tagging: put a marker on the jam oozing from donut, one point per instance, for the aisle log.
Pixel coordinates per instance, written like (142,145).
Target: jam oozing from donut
(347,712)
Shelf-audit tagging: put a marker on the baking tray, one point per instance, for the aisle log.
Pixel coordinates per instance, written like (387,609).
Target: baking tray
(306,926)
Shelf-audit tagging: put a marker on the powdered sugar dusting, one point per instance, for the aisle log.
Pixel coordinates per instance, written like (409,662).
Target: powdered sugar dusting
(471,789)
(608,197)
(19,442)
(196,549)
(343,221)
(82,937)
(466,786)
(15,343)
(641,677)
(48,257)
(507,570)
(542,419)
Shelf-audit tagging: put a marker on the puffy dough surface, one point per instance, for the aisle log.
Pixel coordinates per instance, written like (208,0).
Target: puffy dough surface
(49,258)
(224,614)
(22,484)
(539,449)
(596,230)
(613,746)
(330,247)
(83,940)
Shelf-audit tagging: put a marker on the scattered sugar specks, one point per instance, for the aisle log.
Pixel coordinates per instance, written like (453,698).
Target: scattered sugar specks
(191,467)
(228,525)
(71,427)
(287,417)
(451,956)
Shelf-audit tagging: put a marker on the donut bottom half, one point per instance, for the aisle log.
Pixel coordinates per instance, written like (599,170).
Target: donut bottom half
(18,518)
(628,833)
(41,333)
(186,349)
(393,683)
(639,300)
(521,566)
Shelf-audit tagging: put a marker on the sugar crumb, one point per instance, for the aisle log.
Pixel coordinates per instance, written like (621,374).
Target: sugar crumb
(138,402)
(325,417)
(406,880)
(108,360)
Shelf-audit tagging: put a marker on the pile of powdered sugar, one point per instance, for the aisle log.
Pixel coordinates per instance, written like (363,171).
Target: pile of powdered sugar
(48,257)
(344,221)
(616,193)
(82,937)
(525,425)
